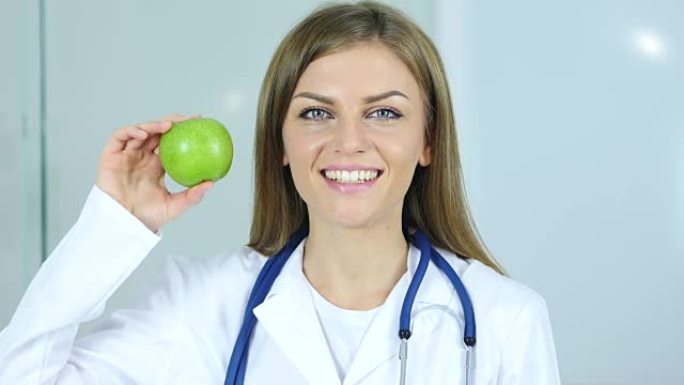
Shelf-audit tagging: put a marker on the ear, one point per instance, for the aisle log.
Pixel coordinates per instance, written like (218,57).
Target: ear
(285,160)
(425,156)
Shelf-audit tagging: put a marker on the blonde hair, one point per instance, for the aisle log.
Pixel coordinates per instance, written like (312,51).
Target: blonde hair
(436,199)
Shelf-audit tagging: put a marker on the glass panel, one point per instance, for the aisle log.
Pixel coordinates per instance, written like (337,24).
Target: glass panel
(20,240)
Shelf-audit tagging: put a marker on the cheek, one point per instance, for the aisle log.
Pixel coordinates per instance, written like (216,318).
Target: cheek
(291,145)
(403,150)
(301,152)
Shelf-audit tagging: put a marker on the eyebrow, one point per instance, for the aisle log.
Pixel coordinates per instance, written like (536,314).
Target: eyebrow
(367,100)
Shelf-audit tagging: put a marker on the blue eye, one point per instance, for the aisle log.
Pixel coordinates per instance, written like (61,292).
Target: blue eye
(314,114)
(385,114)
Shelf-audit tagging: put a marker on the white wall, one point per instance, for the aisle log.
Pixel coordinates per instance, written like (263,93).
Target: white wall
(572,128)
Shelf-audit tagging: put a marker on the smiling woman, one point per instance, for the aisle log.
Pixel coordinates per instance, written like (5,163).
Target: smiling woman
(389,51)
(356,145)
(362,246)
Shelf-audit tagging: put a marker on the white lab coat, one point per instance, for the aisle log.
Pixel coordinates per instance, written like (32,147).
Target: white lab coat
(184,331)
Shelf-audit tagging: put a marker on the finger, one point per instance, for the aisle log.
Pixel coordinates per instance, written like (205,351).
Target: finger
(164,124)
(182,201)
(117,142)
(156,127)
(152,143)
(137,143)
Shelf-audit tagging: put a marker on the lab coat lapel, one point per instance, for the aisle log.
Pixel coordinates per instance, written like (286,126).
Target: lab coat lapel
(289,317)
(380,345)
(381,341)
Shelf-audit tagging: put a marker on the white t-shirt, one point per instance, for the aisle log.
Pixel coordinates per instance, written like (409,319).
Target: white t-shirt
(344,329)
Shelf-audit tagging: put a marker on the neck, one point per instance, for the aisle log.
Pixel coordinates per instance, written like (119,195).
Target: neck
(355,268)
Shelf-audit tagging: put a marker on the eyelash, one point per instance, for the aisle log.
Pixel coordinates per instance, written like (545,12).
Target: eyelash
(304,113)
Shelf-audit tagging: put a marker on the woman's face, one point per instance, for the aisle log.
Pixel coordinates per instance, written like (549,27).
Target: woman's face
(353,135)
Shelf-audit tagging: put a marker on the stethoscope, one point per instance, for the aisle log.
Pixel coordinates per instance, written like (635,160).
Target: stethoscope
(268,274)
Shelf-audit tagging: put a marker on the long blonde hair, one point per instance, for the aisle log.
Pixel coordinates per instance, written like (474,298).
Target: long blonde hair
(436,199)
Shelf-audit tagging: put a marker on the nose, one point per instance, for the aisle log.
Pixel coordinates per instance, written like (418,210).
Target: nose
(350,136)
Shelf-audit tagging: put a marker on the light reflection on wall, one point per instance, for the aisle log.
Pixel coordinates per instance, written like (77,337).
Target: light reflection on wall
(234,101)
(650,43)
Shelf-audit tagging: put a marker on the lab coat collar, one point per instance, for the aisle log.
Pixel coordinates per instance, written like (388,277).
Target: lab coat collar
(289,317)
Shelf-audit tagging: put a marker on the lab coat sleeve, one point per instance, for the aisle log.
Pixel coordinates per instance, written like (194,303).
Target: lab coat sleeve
(72,286)
(529,354)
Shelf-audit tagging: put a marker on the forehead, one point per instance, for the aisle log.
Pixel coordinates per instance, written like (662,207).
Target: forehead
(362,69)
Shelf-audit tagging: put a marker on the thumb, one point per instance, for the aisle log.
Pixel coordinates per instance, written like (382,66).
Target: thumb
(183,200)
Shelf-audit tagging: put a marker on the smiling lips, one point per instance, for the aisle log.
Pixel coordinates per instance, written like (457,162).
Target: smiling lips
(350,178)
(354,176)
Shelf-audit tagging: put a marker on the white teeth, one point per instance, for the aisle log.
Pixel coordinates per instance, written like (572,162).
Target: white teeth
(354,176)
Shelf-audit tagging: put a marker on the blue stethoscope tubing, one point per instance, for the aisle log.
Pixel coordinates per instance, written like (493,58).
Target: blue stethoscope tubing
(238,361)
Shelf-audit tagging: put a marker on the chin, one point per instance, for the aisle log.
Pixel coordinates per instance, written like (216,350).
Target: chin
(351,219)
(355,219)
(351,223)
(353,215)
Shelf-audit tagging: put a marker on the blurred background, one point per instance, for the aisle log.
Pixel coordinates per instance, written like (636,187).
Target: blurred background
(570,122)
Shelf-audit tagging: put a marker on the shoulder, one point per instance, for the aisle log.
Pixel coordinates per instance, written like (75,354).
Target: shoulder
(211,277)
(230,266)
(501,303)
(207,290)
(496,291)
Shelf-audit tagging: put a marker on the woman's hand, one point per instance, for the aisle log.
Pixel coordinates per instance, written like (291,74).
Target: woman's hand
(130,172)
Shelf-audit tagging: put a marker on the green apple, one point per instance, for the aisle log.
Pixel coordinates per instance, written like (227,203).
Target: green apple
(196,150)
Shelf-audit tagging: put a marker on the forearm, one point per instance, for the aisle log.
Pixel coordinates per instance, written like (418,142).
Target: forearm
(98,253)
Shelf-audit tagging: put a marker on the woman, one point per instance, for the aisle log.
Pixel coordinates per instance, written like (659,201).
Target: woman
(355,145)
